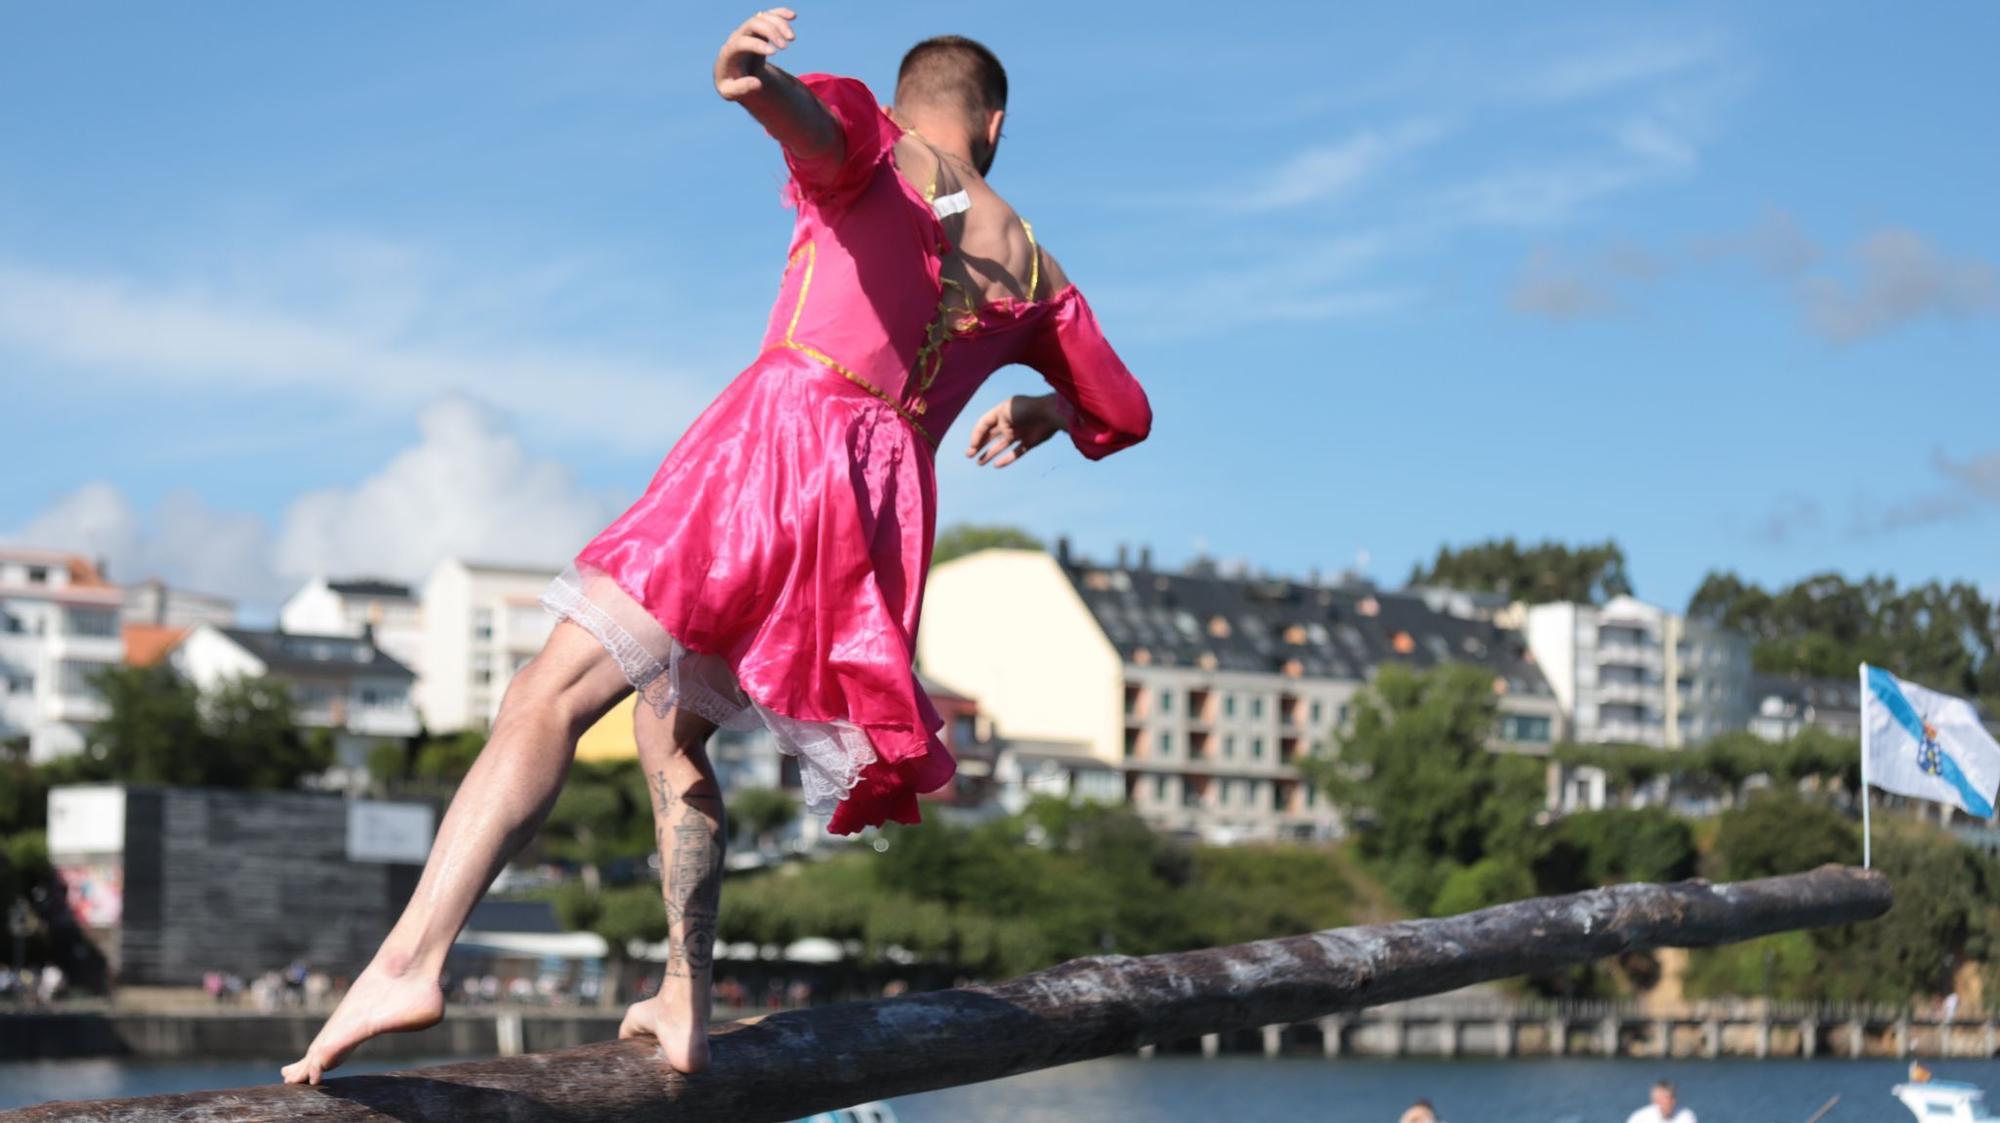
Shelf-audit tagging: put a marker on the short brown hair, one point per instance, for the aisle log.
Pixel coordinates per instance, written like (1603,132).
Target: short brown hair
(952,67)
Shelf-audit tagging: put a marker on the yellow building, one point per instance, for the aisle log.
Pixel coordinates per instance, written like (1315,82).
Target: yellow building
(1204,692)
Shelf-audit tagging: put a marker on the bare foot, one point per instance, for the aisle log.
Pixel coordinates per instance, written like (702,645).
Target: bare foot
(389,997)
(671,1019)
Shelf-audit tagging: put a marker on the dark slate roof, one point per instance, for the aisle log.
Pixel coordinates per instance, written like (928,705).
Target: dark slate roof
(370,587)
(1258,625)
(298,653)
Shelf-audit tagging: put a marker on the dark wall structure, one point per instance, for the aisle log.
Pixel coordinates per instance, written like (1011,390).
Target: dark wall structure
(246,882)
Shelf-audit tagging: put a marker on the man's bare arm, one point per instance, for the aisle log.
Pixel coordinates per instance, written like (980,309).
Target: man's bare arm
(779,102)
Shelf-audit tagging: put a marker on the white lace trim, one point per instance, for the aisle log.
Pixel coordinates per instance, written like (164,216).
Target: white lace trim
(666,674)
(831,756)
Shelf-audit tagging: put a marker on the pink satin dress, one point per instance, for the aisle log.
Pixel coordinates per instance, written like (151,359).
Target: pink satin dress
(773,571)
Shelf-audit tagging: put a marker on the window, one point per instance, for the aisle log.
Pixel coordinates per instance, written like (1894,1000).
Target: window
(1315,711)
(1166,701)
(1257,705)
(78,678)
(1159,789)
(482,623)
(1524,728)
(1228,747)
(38,575)
(93,622)
(1340,716)
(1256,748)
(482,668)
(18,682)
(1166,743)
(1229,705)
(370,696)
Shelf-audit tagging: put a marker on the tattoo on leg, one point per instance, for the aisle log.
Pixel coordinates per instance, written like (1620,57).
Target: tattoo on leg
(693,884)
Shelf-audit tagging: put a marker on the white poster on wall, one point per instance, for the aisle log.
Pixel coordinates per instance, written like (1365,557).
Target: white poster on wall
(86,820)
(388,832)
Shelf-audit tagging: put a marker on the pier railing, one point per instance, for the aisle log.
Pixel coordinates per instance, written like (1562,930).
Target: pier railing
(787,1065)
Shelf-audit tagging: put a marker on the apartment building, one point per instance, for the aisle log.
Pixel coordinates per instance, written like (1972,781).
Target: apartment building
(1628,672)
(59,627)
(345,684)
(1204,692)
(1783,707)
(386,611)
(481,623)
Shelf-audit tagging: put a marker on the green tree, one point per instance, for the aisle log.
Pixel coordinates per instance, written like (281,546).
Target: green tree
(1777,832)
(604,813)
(1487,882)
(620,916)
(254,740)
(1823,626)
(1546,571)
(1417,778)
(1594,848)
(755,814)
(966,538)
(160,729)
(152,731)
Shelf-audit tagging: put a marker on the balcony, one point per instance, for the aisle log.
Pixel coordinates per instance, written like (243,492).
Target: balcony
(1628,655)
(1632,732)
(76,707)
(383,721)
(1631,693)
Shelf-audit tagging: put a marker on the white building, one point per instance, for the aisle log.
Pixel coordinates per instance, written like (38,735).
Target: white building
(1204,693)
(154,602)
(1785,707)
(384,610)
(481,623)
(342,683)
(59,626)
(1633,673)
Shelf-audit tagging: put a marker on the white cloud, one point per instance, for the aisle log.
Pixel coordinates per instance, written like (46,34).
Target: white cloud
(1325,171)
(1616,66)
(380,332)
(183,540)
(467,488)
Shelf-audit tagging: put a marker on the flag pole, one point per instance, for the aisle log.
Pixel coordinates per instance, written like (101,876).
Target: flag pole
(1867,835)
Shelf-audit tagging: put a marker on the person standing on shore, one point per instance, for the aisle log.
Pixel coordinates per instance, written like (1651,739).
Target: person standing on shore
(1665,1108)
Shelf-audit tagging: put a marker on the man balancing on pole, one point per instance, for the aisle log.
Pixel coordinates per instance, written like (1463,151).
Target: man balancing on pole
(772,573)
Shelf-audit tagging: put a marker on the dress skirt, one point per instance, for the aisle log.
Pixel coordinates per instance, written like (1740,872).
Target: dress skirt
(772,573)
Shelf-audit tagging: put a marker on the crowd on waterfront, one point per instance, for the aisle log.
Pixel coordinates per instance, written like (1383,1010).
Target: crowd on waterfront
(32,986)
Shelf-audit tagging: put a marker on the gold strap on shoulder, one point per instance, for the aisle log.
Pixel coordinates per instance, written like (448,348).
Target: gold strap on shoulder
(1034,259)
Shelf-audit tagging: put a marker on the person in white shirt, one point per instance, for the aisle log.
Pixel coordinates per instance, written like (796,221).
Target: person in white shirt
(1665,1107)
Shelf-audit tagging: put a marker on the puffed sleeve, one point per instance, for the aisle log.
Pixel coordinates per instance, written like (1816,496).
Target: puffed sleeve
(866,131)
(1108,407)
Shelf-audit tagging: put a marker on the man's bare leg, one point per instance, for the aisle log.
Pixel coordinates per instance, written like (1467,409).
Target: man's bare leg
(689,827)
(498,807)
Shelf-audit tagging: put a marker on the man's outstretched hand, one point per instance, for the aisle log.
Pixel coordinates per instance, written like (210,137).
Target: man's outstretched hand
(739,66)
(1006,432)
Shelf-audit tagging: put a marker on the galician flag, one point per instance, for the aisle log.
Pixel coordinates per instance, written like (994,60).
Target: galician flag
(1917,742)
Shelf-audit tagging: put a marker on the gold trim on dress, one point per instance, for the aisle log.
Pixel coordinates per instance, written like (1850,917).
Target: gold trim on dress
(811,254)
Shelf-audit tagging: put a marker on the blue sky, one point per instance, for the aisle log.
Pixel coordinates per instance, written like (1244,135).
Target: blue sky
(287,289)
